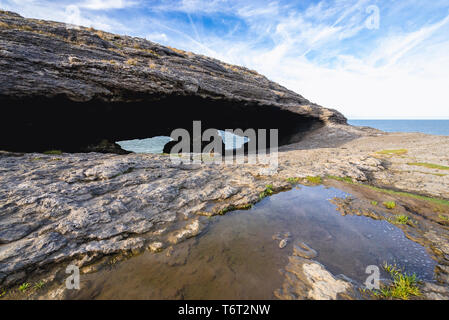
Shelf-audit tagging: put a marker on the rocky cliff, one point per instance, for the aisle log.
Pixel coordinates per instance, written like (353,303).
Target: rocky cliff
(71,88)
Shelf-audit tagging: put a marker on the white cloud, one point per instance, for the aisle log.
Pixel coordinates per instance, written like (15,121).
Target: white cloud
(324,51)
(398,75)
(64,12)
(106,4)
(157,37)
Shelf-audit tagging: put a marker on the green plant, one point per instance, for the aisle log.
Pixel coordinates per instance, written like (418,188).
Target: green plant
(395,152)
(24,286)
(225,210)
(443,217)
(2,293)
(292,180)
(374,203)
(314,180)
(245,206)
(267,192)
(52,152)
(39,285)
(428,165)
(404,285)
(400,219)
(389,204)
(409,195)
(436,201)
(342,179)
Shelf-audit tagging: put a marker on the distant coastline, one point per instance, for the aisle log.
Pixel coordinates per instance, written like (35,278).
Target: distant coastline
(436,127)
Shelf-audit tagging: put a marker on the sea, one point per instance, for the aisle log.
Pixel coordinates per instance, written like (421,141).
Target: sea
(436,127)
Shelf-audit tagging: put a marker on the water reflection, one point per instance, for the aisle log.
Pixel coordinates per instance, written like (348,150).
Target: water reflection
(237,258)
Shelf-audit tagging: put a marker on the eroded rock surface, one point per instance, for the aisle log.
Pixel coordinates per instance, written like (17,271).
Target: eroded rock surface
(55,208)
(79,207)
(308,279)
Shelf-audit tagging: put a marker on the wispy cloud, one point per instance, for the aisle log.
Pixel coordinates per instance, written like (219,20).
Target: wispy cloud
(324,49)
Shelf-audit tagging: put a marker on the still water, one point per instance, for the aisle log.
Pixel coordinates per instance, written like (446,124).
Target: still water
(236,257)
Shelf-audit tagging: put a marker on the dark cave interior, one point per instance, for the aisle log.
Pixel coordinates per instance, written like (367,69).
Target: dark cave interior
(58,123)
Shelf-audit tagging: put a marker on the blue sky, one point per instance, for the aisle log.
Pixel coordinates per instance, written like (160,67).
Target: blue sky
(369,59)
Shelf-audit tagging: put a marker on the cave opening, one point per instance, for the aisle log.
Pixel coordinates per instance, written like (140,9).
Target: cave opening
(58,123)
(156,144)
(149,145)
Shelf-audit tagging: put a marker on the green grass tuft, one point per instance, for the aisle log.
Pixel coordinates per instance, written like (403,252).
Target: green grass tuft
(428,165)
(39,285)
(225,210)
(390,204)
(267,192)
(404,285)
(24,287)
(374,203)
(314,180)
(292,180)
(400,219)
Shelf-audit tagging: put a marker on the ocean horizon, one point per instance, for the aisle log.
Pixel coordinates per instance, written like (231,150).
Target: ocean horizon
(436,127)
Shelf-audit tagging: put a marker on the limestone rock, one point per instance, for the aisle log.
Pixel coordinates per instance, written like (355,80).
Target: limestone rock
(308,279)
(80,89)
(155,246)
(301,249)
(283,243)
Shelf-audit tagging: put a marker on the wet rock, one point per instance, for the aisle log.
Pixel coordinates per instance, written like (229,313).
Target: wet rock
(190,230)
(277,236)
(301,249)
(442,273)
(306,279)
(283,238)
(169,251)
(91,268)
(283,243)
(60,293)
(433,291)
(155,246)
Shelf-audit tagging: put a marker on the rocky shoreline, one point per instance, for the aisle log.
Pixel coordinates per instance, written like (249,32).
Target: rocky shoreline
(81,90)
(84,208)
